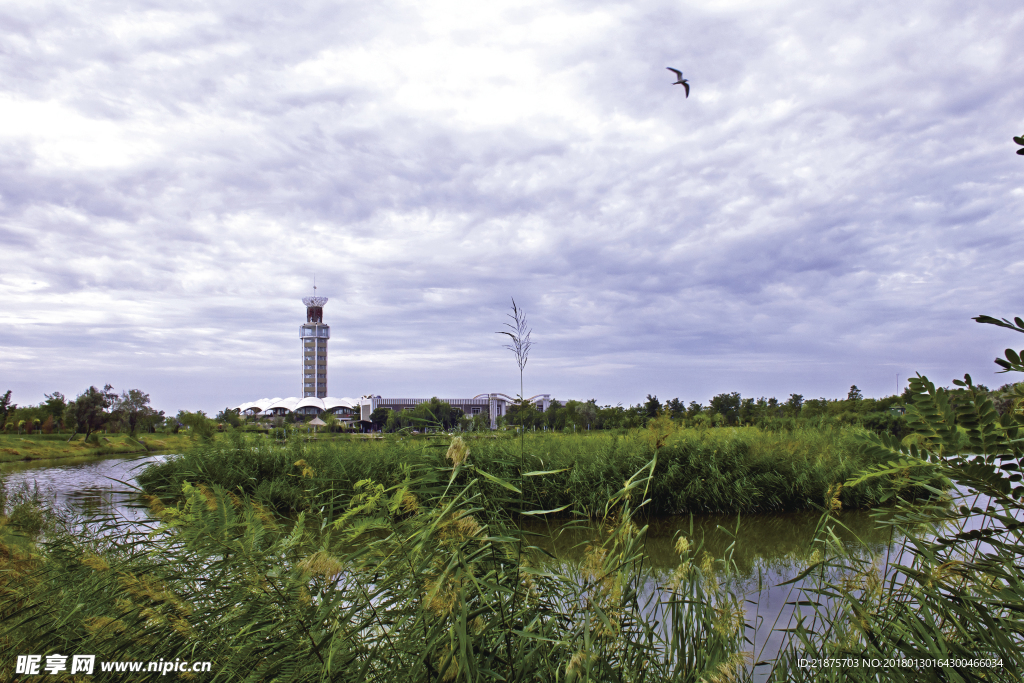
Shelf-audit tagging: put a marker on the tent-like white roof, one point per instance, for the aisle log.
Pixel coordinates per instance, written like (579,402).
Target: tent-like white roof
(286,403)
(330,403)
(293,403)
(260,405)
(310,401)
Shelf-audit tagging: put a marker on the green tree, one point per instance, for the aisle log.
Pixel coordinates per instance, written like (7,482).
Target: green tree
(88,412)
(793,405)
(525,414)
(6,407)
(380,417)
(554,416)
(812,407)
(230,416)
(55,405)
(131,410)
(726,405)
(854,394)
(436,413)
(199,425)
(676,408)
(652,407)
(610,417)
(747,411)
(583,414)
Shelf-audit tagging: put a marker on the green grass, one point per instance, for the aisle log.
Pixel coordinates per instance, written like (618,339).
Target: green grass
(697,470)
(56,447)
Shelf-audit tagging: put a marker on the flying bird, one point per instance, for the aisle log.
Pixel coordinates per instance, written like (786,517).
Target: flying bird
(681,81)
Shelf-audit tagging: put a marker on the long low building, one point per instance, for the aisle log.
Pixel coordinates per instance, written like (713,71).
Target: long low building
(310,405)
(360,409)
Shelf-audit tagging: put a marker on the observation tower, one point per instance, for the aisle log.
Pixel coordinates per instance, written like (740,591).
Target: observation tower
(314,335)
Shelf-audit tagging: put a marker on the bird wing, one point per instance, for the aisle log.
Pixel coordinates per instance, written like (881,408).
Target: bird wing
(677,72)
(687,86)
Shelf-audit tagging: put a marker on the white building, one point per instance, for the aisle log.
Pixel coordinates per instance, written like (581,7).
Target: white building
(313,336)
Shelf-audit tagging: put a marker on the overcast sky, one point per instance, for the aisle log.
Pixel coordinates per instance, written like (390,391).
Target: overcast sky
(835,200)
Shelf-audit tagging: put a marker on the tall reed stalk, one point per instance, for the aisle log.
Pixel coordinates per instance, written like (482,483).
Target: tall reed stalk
(520,345)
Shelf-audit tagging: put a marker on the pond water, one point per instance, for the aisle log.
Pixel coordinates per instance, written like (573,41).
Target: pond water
(769,549)
(89,484)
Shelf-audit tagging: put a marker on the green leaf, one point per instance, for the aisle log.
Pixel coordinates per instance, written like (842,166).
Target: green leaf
(494,479)
(989,320)
(540,473)
(891,467)
(535,513)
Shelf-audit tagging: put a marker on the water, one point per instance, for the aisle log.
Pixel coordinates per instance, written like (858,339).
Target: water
(87,484)
(767,549)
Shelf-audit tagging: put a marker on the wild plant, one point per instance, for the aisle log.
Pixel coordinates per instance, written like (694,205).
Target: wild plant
(948,604)
(417,581)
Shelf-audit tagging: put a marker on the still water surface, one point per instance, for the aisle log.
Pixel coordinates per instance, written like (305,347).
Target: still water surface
(87,484)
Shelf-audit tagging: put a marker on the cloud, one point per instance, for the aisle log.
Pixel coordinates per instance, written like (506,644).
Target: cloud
(830,206)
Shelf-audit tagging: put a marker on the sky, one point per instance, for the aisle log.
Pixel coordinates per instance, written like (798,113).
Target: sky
(831,205)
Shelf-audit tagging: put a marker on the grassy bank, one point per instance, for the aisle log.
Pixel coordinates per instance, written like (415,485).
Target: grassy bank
(698,470)
(53,447)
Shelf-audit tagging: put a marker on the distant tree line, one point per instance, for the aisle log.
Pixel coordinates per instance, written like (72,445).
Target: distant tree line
(106,410)
(91,411)
(883,415)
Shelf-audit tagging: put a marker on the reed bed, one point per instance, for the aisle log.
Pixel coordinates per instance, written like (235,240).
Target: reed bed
(726,470)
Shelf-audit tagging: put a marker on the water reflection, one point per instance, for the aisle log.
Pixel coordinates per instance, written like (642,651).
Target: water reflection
(767,550)
(96,487)
(761,541)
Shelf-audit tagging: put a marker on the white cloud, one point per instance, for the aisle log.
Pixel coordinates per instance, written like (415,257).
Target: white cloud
(830,206)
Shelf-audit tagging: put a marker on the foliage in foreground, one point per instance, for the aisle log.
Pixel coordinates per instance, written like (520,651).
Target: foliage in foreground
(426,580)
(953,596)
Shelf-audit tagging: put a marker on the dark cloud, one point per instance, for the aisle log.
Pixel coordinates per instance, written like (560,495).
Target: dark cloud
(830,206)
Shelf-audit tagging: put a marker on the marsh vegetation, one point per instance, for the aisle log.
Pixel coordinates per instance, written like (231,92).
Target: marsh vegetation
(410,560)
(743,469)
